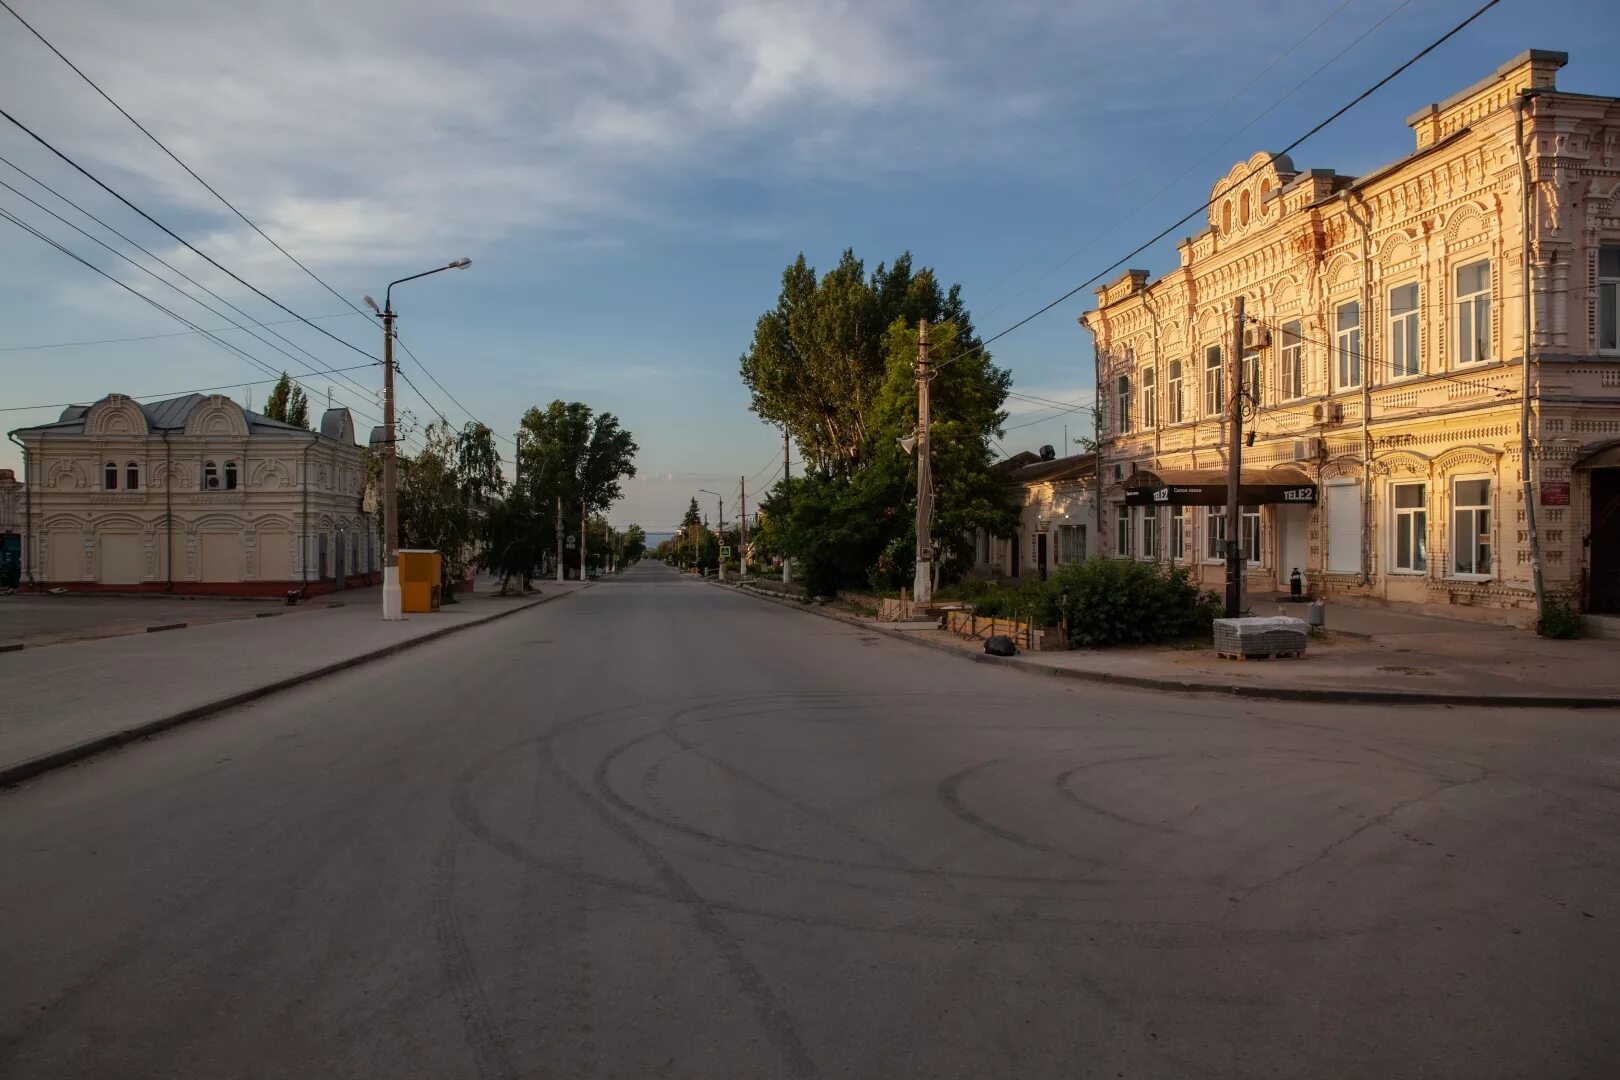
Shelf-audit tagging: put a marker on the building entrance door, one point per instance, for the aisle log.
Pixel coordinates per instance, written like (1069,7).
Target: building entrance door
(1293,544)
(1040,554)
(1603,578)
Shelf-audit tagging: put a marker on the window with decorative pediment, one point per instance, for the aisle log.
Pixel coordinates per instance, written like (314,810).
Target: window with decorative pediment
(230,476)
(109,476)
(1174,401)
(1474,312)
(132,476)
(1609,298)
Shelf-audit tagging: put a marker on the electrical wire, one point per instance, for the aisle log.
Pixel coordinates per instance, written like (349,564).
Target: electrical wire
(174,157)
(401,343)
(1147,169)
(164,394)
(175,334)
(1207,203)
(210,260)
(161,261)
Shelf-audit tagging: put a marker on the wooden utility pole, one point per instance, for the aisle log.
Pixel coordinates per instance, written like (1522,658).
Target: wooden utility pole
(1234,465)
(787,560)
(742,537)
(922,586)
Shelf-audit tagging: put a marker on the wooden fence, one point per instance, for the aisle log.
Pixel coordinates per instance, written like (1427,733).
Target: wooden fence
(1025,635)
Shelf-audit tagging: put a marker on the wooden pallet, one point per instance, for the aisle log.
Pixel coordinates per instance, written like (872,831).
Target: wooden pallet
(1294,654)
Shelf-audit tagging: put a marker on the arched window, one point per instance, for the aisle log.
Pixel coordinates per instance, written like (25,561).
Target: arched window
(109,476)
(210,476)
(1226,217)
(132,476)
(1243,208)
(230,476)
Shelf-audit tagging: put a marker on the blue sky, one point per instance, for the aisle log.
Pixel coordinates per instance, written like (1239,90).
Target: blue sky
(630,177)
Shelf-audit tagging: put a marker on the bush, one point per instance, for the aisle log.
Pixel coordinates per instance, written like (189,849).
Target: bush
(1559,619)
(1118,602)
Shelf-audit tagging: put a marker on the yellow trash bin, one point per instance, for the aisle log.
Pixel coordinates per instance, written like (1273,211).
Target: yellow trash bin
(420,578)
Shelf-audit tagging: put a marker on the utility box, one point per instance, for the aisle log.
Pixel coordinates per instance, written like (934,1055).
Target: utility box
(420,579)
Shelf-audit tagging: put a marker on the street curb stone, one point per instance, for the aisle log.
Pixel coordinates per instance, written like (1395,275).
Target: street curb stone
(1181,686)
(17,772)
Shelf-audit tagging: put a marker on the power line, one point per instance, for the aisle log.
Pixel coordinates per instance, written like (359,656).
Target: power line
(1188,134)
(162,262)
(164,394)
(249,357)
(144,269)
(1207,203)
(156,337)
(175,158)
(401,343)
(87,174)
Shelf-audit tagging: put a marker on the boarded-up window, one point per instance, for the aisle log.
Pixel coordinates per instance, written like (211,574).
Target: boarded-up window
(1344,528)
(274,550)
(220,556)
(67,555)
(121,558)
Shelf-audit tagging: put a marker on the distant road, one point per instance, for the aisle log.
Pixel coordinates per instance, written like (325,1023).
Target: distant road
(660,829)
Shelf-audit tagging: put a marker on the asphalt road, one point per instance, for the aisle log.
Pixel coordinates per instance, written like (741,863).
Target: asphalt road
(659,829)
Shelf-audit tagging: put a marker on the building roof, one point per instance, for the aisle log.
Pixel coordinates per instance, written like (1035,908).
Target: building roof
(1028,468)
(171,414)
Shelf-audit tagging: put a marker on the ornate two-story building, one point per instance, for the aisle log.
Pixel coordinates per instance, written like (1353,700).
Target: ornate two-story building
(192,495)
(1382,365)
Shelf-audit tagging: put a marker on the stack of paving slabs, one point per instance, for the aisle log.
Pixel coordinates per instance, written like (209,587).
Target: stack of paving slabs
(1256,638)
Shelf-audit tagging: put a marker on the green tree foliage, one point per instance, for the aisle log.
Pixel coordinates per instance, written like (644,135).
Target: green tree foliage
(1122,602)
(478,465)
(287,403)
(433,512)
(632,544)
(820,358)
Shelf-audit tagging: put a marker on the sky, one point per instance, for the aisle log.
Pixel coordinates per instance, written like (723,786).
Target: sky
(630,178)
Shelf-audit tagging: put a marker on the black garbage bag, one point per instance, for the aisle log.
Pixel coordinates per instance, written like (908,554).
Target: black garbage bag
(1001,645)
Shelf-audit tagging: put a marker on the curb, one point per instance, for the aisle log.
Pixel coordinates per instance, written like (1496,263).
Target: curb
(1179,686)
(17,772)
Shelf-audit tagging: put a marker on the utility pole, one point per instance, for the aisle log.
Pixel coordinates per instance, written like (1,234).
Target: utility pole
(393,608)
(922,587)
(582,539)
(787,560)
(1234,465)
(559,541)
(742,508)
(720,536)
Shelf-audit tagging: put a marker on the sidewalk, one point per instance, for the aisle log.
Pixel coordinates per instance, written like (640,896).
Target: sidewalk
(1367,655)
(65,702)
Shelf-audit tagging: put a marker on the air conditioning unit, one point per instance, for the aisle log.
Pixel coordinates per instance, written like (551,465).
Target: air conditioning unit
(1307,449)
(1327,412)
(1256,337)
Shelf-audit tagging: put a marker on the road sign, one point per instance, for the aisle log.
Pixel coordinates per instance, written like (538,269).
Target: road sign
(725,552)
(571,542)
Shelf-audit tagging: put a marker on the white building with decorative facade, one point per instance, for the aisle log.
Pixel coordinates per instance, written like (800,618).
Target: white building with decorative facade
(1382,365)
(192,495)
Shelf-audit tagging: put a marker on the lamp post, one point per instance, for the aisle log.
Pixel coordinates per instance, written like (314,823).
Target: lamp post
(719,529)
(390,594)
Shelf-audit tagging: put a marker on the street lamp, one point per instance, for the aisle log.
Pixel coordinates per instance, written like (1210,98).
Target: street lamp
(390,594)
(719,528)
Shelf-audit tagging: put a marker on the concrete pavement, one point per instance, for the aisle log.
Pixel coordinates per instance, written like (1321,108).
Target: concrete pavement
(665,830)
(60,704)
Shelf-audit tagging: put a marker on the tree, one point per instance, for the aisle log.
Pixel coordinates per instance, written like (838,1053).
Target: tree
(432,511)
(573,452)
(632,544)
(820,357)
(287,403)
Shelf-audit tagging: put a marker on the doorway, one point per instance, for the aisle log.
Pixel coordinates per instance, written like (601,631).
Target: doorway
(1293,545)
(1603,577)
(1040,554)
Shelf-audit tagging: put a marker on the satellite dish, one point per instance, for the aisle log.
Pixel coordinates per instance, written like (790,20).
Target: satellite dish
(1047,453)
(909,443)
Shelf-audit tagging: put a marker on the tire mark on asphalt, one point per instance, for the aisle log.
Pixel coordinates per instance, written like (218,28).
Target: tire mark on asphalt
(949,795)
(483,1032)
(773,1018)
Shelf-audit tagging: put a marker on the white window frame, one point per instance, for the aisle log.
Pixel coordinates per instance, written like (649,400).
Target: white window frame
(1608,299)
(1479,534)
(1473,312)
(1147,533)
(1248,515)
(1212,542)
(1415,521)
(1347,354)
(1249,375)
(1122,404)
(1291,351)
(1123,537)
(1178,533)
(1177,404)
(1150,402)
(1405,333)
(211,477)
(229,475)
(110,469)
(1214,381)
(132,475)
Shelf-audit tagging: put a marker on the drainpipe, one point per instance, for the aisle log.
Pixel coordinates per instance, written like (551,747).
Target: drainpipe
(303,541)
(1528,207)
(168,516)
(1366,385)
(28,507)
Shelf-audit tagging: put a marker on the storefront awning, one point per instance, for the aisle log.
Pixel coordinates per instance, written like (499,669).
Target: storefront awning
(1207,487)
